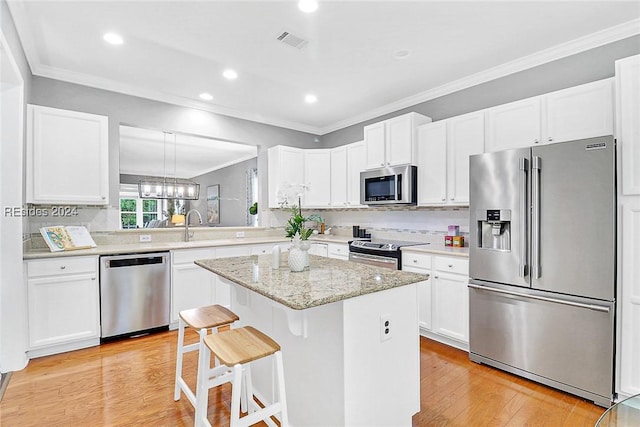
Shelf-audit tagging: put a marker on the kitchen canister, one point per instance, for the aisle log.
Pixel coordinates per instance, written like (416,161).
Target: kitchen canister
(275,257)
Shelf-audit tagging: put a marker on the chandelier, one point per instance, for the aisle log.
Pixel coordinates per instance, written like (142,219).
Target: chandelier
(168,188)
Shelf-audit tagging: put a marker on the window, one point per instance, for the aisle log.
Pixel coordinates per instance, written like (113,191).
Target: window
(136,212)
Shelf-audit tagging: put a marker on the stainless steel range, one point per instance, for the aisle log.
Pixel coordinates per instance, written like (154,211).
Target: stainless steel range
(380,253)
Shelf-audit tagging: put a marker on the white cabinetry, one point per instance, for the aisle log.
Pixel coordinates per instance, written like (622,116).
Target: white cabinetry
(451,300)
(286,174)
(191,285)
(628,137)
(67,157)
(339,174)
(392,142)
(63,303)
(223,289)
(443,158)
(319,249)
(356,163)
(317,173)
(628,123)
(514,125)
(421,263)
(578,112)
(338,251)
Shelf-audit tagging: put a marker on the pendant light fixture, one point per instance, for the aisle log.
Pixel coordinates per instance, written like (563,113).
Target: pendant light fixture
(168,188)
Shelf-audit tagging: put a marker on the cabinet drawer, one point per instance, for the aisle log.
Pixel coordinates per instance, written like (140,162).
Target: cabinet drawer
(66,265)
(188,256)
(416,260)
(452,265)
(338,249)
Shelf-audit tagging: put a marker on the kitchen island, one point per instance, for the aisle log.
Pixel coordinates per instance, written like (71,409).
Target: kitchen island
(348,332)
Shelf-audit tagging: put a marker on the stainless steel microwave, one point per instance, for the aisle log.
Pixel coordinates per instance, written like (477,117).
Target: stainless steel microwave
(389,186)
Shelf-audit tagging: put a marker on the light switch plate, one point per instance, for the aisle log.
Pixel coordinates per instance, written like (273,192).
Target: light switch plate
(145,238)
(239,233)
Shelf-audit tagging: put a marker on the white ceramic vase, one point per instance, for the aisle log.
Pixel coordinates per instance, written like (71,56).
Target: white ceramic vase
(298,259)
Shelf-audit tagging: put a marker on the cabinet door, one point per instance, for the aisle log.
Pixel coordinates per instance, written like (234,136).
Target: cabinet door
(514,125)
(451,306)
(285,175)
(192,286)
(628,122)
(338,251)
(465,137)
(374,136)
(629,304)
(317,170)
(583,111)
(399,140)
(356,163)
(432,164)
(63,309)
(67,157)
(319,249)
(339,175)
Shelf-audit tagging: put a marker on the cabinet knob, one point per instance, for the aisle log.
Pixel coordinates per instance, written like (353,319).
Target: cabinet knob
(104,197)
(535,141)
(381,164)
(444,199)
(450,265)
(62,267)
(436,277)
(550,139)
(415,260)
(93,278)
(453,198)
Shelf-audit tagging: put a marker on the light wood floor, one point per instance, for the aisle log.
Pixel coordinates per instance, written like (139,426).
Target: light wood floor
(130,383)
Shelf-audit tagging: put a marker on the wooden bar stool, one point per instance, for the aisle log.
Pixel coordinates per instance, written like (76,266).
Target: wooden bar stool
(235,349)
(214,317)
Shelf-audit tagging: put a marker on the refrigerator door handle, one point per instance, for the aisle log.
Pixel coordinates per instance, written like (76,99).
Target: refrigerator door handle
(523,166)
(541,298)
(535,217)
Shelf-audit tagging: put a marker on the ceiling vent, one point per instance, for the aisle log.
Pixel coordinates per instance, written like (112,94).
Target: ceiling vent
(292,40)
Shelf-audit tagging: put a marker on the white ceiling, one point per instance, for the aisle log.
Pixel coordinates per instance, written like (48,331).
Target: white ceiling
(153,153)
(175,50)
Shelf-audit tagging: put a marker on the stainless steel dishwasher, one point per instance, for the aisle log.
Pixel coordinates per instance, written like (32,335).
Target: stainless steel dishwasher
(134,293)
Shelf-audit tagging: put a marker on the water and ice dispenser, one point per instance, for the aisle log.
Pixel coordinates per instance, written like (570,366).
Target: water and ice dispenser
(494,229)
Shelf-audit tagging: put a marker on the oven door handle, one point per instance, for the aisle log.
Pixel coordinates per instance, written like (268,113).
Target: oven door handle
(364,258)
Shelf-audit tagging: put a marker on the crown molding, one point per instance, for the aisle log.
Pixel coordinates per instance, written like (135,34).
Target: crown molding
(591,41)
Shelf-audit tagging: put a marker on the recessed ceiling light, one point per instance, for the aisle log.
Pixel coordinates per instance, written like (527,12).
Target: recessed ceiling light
(402,53)
(308,6)
(230,74)
(206,96)
(113,38)
(310,98)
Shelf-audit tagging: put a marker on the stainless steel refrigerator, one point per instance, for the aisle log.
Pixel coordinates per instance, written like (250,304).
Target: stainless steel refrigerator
(542,264)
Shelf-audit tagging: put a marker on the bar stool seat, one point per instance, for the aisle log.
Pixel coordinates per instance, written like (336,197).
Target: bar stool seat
(236,349)
(214,317)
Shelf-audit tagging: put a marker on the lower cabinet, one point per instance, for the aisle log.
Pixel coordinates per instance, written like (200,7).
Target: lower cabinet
(338,251)
(319,249)
(63,304)
(191,285)
(444,298)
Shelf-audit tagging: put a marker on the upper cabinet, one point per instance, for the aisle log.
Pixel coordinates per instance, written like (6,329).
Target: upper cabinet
(317,170)
(444,148)
(286,174)
(514,125)
(356,163)
(67,157)
(578,112)
(393,142)
(347,162)
(628,122)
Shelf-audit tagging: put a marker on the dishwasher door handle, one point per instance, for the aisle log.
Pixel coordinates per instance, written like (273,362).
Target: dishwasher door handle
(131,262)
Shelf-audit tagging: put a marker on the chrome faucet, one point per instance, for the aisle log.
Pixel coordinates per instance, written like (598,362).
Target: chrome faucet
(186,223)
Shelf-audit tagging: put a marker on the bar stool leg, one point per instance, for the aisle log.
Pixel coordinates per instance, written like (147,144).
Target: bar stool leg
(236,391)
(202,380)
(282,397)
(180,352)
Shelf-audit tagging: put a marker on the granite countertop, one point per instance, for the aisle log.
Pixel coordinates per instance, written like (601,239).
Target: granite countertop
(438,249)
(327,280)
(151,247)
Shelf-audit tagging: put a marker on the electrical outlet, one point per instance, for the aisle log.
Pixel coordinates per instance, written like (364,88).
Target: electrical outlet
(145,238)
(239,233)
(385,327)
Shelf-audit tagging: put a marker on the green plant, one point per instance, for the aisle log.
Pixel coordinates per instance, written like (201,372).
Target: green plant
(253,210)
(296,224)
